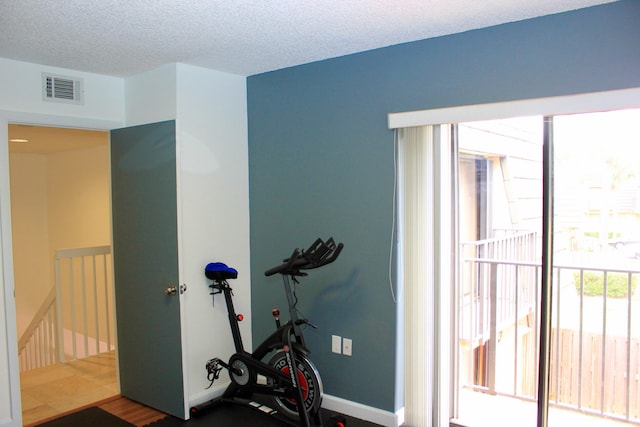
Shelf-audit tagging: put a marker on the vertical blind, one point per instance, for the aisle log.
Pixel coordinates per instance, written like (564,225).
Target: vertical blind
(425,241)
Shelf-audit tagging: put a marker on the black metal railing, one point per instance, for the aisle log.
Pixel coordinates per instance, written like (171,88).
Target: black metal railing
(595,352)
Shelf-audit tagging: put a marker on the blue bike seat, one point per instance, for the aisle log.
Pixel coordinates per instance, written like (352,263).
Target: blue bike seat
(220,271)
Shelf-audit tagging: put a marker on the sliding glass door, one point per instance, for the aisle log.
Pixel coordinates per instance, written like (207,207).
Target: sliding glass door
(594,354)
(595,357)
(499,217)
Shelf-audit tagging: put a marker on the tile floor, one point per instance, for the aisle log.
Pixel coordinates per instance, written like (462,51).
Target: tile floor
(49,391)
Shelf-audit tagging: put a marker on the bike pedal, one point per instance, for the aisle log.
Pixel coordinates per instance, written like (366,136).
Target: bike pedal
(213,367)
(213,364)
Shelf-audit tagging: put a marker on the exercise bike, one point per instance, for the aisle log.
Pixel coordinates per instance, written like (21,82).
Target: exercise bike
(249,372)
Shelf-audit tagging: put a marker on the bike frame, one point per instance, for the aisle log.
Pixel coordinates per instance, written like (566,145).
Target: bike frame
(277,338)
(245,367)
(283,385)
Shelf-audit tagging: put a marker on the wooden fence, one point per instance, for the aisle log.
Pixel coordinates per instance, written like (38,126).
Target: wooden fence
(594,374)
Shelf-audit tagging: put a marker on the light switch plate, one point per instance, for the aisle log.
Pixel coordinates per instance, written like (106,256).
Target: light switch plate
(347,346)
(336,344)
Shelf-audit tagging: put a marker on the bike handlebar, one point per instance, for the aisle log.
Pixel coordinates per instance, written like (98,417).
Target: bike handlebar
(287,265)
(318,254)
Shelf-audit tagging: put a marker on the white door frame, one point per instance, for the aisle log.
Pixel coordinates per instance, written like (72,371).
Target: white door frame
(6,241)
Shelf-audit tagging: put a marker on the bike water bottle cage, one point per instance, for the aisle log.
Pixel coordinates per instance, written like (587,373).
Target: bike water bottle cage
(219,271)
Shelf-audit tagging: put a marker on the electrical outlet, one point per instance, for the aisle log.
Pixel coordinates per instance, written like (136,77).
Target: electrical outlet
(336,344)
(347,346)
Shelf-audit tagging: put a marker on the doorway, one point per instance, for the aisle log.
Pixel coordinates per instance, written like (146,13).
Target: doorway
(60,199)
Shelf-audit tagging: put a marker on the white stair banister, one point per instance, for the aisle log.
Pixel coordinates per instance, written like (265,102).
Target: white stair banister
(83,291)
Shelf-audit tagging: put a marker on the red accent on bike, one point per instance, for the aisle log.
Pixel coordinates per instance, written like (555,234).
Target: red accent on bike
(285,348)
(240,317)
(302,383)
(275,312)
(339,424)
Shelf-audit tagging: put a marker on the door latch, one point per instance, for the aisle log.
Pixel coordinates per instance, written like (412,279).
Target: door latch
(172,289)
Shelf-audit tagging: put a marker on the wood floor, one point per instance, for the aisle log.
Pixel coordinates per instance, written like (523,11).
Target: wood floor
(50,392)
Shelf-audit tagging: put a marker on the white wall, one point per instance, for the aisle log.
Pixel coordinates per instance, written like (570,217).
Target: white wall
(210,112)
(214,213)
(58,201)
(151,97)
(21,88)
(30,222)
(21,102)
(9,408)
(78,190)
(78,211)
(213,200)
(9,383)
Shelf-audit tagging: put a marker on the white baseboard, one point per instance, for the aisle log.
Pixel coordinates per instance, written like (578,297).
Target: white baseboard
(8,422)
(363,412)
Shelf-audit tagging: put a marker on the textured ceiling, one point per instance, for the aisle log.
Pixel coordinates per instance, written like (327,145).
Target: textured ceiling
(245,37)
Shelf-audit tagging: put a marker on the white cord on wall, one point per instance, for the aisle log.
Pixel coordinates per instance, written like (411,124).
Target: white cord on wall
(394,214)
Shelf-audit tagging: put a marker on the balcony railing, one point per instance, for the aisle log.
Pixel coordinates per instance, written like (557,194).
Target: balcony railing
(595,356)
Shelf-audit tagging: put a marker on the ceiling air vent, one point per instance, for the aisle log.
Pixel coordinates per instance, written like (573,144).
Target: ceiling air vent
(62,89)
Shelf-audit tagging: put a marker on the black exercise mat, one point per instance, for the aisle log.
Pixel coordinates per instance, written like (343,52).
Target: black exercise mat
(229,415)
(222,416)
(94,417)
(169,421)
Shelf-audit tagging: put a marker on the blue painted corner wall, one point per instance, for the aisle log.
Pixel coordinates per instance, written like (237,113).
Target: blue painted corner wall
(321,163)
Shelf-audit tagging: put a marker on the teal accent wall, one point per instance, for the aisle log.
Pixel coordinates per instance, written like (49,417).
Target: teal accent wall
(321,163)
